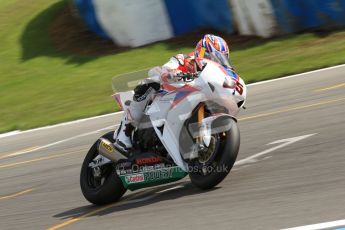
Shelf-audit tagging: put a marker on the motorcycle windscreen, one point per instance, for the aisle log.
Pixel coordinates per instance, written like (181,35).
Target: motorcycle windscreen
(128,81)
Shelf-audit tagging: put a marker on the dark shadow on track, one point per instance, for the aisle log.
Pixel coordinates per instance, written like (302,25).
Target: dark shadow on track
(134,200)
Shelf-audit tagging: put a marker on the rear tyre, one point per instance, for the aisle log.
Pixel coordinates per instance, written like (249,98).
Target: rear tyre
(224,157)
(105,188)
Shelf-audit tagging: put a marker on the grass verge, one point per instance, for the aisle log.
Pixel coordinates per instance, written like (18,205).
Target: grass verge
(41,85)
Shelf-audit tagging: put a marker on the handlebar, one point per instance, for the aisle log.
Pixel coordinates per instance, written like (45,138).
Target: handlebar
(187,77)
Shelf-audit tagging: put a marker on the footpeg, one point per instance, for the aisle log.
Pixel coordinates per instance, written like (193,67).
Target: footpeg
(107,149)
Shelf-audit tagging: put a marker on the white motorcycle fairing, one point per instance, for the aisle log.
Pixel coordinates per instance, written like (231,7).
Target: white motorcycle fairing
(170,110)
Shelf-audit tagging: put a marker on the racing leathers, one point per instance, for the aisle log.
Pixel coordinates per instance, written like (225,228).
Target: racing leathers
(144,93)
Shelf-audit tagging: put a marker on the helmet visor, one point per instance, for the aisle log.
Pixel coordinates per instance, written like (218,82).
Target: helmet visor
(220,57)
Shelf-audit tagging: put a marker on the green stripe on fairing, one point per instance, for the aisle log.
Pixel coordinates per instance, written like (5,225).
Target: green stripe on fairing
(172,174)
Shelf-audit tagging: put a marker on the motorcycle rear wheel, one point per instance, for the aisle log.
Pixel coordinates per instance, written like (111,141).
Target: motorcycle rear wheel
(223,160)
(106,189)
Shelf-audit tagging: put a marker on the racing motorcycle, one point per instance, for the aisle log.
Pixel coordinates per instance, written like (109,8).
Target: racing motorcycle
(189,128)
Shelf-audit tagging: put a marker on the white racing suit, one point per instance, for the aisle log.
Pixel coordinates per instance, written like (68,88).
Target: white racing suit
(144,93)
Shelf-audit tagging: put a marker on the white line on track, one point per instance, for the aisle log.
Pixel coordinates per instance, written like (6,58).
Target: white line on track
(297,75)
(57,142)
(17,132)
(75,137)
(57,125)
(12,133)
(325,225)
(284,142)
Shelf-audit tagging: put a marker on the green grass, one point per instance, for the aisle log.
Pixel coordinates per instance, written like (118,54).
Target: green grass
(40,85)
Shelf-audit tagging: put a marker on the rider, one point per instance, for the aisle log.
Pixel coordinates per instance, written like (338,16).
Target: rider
(168,73)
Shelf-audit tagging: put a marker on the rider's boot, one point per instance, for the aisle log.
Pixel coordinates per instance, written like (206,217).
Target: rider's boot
(123,140)
(133,115)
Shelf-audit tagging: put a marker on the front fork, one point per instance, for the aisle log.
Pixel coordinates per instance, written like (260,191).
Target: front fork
(201,116)
(204,138)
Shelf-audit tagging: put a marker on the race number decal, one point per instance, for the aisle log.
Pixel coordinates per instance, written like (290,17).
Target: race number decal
(239,88)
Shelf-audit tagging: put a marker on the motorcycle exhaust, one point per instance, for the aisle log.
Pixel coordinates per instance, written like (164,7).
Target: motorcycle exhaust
(106,149)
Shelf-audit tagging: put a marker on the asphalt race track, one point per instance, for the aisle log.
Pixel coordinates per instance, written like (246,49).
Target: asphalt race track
(290,170)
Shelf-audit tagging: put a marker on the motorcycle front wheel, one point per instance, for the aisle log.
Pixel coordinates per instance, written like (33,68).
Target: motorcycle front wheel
(103,186)
(216,162)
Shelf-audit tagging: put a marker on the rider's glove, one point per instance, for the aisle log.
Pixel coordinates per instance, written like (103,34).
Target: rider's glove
(170,76)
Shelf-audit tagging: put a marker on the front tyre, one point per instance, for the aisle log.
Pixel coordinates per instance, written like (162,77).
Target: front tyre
(102,187)
(226,147)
